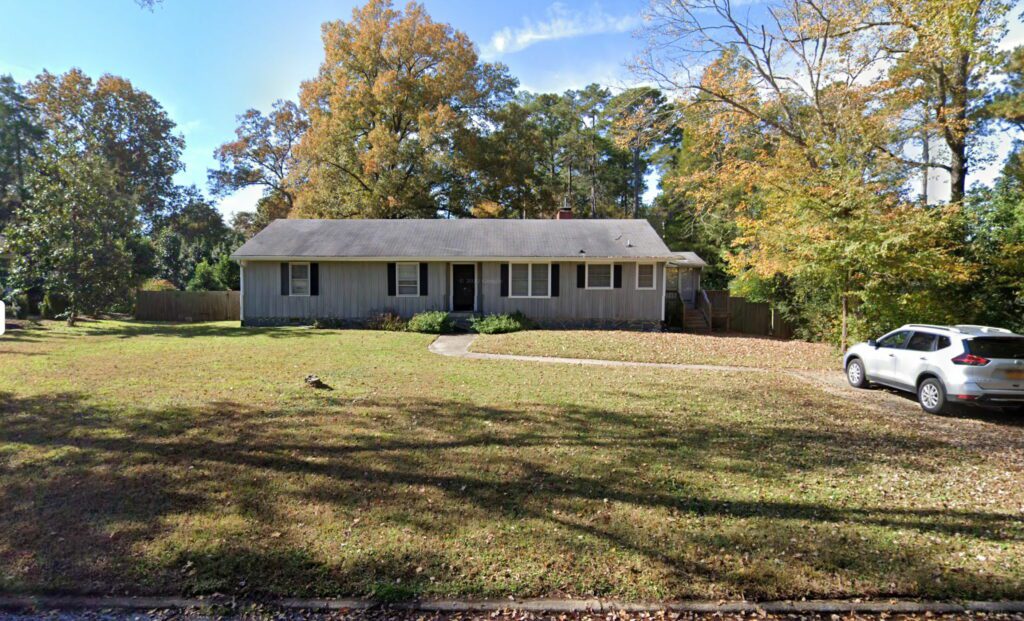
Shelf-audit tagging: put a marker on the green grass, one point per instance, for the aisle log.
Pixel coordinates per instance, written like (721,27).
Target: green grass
(668,347)
(147,458)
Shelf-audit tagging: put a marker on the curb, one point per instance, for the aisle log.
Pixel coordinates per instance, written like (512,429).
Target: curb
(47,602)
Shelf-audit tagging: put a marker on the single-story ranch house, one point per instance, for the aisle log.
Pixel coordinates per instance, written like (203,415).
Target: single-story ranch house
(558,272)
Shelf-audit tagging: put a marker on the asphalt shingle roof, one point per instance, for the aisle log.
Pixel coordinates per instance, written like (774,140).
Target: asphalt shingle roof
(467,238)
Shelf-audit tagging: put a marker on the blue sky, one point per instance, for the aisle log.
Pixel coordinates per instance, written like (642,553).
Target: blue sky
(207,61)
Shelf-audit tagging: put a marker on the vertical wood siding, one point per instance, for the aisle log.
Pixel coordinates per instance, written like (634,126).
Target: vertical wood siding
(358,290)
(625,304)
(348,290)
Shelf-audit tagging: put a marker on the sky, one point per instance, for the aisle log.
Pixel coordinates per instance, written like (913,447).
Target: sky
(208,61)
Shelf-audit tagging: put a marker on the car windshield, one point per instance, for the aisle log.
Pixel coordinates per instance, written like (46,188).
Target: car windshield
(997,347)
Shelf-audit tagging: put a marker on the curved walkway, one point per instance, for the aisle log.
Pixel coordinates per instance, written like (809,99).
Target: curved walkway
(457,345)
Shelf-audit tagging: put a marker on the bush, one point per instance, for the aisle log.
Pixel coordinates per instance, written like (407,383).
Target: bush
(18,306)
(390,322)
(432,322)
(328,323)
(158,284)
(500,324)
(53,306)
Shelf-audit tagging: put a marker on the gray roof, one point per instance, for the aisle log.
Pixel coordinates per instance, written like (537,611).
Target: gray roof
(468,238)
(687,259)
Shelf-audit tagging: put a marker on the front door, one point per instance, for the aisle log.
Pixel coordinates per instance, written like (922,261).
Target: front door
(463,287)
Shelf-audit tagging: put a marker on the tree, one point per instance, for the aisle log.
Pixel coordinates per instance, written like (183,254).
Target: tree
(20,136)
(263,154)
(793,158)
(73,235)
(192,233)
(126,126)
(392,94)
(902,56)
(641,120)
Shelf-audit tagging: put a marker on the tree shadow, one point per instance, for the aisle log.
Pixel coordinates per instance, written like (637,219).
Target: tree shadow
(403,497)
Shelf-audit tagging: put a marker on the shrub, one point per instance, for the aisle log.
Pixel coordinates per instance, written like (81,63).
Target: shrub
(500,324)
(158,284)
(53,306)
(431,322)
(390,322)
(328,323)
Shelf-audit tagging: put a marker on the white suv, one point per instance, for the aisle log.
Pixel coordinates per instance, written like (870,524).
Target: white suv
(943,364)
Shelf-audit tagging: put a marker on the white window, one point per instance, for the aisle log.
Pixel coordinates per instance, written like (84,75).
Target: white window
(408,279)
(299,278)
(529,280)
(644,275)
(599,275)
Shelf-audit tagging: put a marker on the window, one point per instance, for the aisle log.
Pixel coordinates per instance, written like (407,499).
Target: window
(996,347)
(408,279)
(299,279)
(529,280)
(895,340)
(644,275)
(599,275)
(943,343)
(921,341)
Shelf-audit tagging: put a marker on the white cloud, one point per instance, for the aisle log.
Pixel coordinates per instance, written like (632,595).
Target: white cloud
(561,23)
(242,200)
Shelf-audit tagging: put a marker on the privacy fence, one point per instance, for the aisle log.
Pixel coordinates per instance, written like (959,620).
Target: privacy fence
(187,306)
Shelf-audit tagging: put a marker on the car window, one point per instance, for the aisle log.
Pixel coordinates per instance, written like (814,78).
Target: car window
(942,343)
(921,341)
(997,347)
(896,339)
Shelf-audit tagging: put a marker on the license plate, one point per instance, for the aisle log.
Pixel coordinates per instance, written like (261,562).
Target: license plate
(1015,374)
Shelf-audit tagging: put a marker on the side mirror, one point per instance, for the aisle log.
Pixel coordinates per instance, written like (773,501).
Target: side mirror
(873,343)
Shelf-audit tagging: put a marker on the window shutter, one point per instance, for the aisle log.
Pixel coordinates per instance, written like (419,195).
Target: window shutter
(554,280)
(392,280)
(618,276)
(504,280)
(581,276)
(314,279)
(284,279)
(423,278)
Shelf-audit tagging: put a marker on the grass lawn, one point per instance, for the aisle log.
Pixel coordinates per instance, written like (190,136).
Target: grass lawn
(671,347)
(141,458)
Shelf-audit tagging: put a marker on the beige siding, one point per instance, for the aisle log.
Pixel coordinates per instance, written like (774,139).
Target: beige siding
(625,304)
(348,290)
(358,290)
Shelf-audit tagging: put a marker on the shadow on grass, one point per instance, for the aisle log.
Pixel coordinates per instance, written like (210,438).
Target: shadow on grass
(392,498)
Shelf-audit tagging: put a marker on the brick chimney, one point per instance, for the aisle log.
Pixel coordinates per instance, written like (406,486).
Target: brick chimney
(564,213)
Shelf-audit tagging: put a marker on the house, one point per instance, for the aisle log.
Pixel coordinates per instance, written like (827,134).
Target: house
(561,271)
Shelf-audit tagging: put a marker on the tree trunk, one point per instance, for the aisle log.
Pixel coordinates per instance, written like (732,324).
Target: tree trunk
(636,183)
(958,171)
(926,159)
(843,338)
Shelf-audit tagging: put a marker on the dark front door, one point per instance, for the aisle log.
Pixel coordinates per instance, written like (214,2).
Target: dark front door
(463,287)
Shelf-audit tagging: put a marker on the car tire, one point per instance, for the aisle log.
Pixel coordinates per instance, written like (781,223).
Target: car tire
(855,373)
(931,396)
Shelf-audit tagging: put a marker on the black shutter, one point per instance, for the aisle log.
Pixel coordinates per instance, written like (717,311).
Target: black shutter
(618,276)
(284,279)
(581,276)
(504,280)
(423,278)
(554,280)
(392,286)
(314,279)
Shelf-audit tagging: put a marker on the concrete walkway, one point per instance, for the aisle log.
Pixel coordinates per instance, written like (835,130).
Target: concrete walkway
(457,346)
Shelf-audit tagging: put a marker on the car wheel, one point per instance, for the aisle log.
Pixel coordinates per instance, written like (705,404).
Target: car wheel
(855,374)
(931,396)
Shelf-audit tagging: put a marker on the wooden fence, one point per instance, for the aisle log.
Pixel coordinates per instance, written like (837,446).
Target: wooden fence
(187,306)
(735,314)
